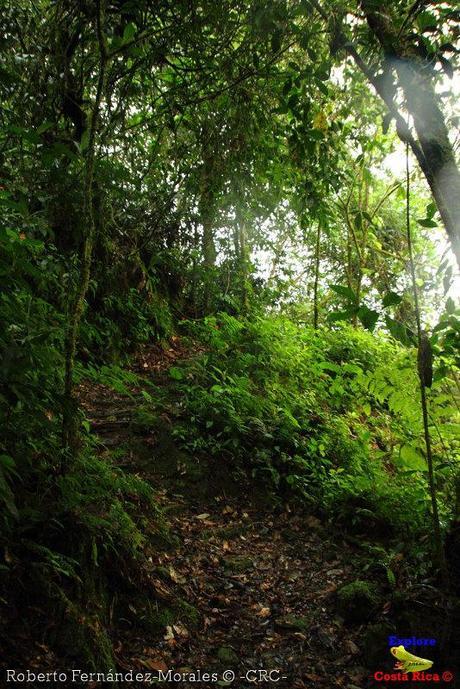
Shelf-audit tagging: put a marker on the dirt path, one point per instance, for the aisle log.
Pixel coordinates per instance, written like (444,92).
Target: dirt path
(256,586)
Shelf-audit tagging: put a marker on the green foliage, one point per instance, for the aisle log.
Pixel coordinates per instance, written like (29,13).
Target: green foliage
(123,322)
(30,369)
(329,416)
(105,503)
(113,376)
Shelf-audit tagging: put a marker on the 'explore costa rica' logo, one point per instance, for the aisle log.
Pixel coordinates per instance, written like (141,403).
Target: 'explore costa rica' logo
(407,662)
(411,668)
(413,641)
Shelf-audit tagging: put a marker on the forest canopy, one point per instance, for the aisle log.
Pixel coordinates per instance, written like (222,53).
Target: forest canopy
(229,252)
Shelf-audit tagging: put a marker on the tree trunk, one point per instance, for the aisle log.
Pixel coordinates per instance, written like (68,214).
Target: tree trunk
(434,152)
(433,148)
(208,248)
(69,428)
(439,165)
(242,254)
(316,283)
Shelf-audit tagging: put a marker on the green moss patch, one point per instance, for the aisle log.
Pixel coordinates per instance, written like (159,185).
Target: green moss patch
(238,564)
(357,601)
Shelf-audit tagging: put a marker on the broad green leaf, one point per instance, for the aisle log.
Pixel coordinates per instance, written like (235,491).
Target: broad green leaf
(345,315)
(450,306)
(391,299)
(44,127)
(368,317)
(7,462)
(329,366)
(447,279)
(345,291)
(412,458)
(176,373)
(431,209)
(129,31)
(427,222)
(426,21)
(84,140)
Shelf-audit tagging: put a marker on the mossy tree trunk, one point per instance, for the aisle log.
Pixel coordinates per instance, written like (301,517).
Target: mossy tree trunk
(69,425)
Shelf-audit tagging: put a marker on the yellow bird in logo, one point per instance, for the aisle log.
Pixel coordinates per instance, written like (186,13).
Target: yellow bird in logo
(408,662)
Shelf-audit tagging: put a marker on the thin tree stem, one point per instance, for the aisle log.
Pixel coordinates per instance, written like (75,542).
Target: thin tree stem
(439,549)
(317,265)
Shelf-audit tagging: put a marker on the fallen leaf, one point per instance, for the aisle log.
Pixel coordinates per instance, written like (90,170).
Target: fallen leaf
(177,578)
(181,630)
(153,663)
(169,634)
(351,647)
(313,522)
(264,612)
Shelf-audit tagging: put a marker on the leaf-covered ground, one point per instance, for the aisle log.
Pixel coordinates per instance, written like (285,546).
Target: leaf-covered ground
(260,581)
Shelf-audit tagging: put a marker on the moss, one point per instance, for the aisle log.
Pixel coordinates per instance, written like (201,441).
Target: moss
(227,656)
(228,532)
(144,419)
(187,613)
(79,632)
(290,536)
(157,529)
(154,616)
(164,539)
(238,564)
(297,623)
(82,636)
(159,618)
(357,601)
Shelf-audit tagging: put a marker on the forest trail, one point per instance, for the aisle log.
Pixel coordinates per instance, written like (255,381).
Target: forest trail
(256,585)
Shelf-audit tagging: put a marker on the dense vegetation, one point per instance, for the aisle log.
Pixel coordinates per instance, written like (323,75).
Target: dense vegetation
(229,177)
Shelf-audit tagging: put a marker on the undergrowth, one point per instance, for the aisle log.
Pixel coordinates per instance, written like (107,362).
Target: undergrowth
(330,417)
